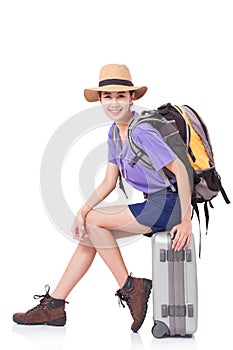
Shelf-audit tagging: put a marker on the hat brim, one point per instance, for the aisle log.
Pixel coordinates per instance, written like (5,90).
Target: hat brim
(91,95)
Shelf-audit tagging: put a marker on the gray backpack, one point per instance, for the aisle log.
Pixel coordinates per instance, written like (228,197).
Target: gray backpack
(187,135)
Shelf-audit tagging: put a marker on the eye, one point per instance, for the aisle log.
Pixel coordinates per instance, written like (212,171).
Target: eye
(121,96)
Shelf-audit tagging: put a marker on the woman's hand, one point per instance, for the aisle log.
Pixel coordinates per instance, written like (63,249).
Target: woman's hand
(181,235)
(78,227)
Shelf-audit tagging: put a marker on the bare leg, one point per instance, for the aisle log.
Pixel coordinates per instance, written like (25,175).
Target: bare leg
(100,226)
(106,246)
(76,269)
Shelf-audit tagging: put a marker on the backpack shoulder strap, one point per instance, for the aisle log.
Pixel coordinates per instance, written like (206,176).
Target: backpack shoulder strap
(158,122)
(114,138)
(115,133)
(151,117)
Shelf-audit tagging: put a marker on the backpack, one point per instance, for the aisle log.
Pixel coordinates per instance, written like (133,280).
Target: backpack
(187,135)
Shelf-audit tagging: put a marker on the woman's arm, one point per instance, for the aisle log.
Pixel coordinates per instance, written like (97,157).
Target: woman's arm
(182,232)
(102,191)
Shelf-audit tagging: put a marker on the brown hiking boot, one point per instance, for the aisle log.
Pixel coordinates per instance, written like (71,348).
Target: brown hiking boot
(50,311)
(136,292)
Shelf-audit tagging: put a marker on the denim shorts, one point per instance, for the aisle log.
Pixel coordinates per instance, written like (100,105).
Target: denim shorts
(160,211)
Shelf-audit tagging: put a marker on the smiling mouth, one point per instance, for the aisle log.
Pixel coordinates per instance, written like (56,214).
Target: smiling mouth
(115,111)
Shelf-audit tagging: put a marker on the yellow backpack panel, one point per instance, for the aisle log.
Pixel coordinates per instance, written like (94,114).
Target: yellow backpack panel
(198,149)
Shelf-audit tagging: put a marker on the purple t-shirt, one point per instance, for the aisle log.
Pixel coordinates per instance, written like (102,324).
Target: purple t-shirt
(139,176)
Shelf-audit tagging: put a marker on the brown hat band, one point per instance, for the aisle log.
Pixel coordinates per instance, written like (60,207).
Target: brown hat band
(115,82)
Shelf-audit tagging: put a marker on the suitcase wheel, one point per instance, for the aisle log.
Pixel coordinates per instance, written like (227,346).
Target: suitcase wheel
(160,329)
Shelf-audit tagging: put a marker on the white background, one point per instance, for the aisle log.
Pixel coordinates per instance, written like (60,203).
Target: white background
(50,52)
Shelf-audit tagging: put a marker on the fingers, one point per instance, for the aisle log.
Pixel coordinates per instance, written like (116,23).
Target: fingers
(181,240)
(181,235)
(173,231)
(187,242)
(78,230)
(82,232)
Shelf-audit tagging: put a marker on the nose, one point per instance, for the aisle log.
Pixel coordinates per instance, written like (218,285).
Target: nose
(114,101)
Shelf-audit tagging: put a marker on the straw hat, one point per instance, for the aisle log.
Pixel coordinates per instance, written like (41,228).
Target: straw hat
(114,77)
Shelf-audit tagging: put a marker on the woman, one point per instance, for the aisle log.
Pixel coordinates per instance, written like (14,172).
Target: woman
(98,229)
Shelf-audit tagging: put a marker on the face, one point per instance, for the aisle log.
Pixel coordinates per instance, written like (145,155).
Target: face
(117,105)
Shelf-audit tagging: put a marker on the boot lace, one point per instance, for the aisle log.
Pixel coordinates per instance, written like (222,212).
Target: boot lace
(44,300)
(125,297)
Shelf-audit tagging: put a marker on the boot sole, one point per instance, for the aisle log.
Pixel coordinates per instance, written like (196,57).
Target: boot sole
(59,322)
(147,287)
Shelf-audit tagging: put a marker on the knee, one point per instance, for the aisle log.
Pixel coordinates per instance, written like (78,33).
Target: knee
(92,227)
(91,219)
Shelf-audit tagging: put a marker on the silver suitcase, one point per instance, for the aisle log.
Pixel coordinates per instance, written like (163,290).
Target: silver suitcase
(174,278)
